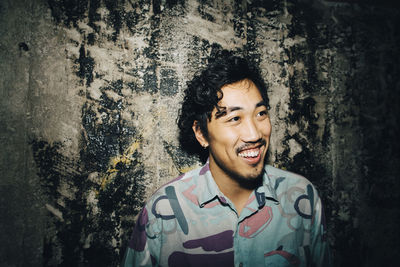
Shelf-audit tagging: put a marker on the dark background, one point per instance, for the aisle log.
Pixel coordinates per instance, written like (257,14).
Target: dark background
(90,91)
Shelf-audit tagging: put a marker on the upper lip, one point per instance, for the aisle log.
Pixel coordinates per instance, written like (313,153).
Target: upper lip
(249,147)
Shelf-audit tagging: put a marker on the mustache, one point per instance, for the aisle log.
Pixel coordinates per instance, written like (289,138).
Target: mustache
(259,142)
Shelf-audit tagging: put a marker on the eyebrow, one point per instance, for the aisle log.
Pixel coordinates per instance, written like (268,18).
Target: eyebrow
(261,103)
(223,111)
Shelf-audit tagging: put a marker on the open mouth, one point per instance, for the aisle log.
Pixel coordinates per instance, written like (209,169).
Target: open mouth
(250,153)
(251,156)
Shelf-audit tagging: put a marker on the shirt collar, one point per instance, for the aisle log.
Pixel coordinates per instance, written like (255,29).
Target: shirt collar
(209,190)
(266,191)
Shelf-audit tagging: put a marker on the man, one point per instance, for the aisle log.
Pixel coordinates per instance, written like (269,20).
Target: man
(234,210)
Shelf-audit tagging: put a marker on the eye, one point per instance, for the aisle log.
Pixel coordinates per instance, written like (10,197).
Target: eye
(234,119)
(262,113)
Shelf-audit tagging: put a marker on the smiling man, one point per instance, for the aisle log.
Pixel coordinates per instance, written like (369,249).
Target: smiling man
(235,210)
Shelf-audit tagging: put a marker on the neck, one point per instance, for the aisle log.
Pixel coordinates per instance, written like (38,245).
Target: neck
(231,188)
(236,193)
(237,190)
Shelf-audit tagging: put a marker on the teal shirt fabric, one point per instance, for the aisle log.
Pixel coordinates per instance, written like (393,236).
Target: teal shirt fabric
(189,222)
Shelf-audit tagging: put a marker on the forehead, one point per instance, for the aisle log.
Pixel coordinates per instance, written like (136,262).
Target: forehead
(241,93)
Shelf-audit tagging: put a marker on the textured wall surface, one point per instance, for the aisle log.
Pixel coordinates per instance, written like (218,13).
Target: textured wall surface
(90,92)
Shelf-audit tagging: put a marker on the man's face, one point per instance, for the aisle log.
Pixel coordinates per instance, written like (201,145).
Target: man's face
(238,137)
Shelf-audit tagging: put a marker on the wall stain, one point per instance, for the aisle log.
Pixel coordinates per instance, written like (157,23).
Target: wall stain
(183,162)
(56,173)
(117,163)
(23,46)
(168,82)
(92,200)
(93,16)
(68,12)
(202,9)
(86,66)
(116,16)
(90,211)
(304,84)
(71,12)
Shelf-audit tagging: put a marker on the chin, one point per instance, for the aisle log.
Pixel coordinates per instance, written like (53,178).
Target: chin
(255,171)
(251,180)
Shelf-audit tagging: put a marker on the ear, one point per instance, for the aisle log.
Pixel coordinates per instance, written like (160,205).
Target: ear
(199,134)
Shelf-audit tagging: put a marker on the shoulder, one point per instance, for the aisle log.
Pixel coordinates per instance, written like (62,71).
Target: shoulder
(294,192)
(283,179)
(176,186)
(185,179)
(274,172)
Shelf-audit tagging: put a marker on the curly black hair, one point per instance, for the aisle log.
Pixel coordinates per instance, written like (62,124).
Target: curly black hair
(203,93)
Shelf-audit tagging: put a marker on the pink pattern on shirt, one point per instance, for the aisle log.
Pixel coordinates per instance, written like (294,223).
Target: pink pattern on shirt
(255,224)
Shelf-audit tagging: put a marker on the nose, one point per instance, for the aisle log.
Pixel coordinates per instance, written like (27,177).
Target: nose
(251,132)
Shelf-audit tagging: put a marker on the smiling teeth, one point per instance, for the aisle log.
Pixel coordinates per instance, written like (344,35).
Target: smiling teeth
(248,154)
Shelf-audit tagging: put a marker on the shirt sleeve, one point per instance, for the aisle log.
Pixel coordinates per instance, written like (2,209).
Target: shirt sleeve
(145,244)
(319,247)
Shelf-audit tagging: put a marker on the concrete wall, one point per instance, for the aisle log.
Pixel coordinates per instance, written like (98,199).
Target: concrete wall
(90,91)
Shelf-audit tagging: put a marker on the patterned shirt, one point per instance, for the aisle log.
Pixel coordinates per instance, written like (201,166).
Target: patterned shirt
(189,222)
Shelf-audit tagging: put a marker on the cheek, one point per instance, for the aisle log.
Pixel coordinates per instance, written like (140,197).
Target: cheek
(225,138)
(230,135)
(266,128)
(267,131)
